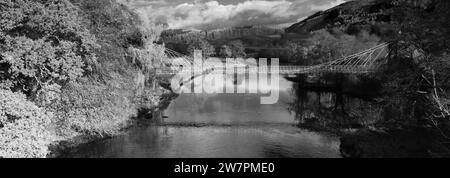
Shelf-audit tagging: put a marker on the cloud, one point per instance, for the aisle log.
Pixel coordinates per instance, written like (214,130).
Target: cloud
(319,7)
(203,14)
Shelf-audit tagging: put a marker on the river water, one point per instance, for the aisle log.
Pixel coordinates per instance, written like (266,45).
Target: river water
(238,126)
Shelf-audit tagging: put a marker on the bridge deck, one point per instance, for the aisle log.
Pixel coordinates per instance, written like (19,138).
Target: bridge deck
(363,62)
(288,70)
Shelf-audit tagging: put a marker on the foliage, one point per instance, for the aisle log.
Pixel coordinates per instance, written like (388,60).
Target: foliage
(436,81)
(325,46)
(201,44)
(149,55)
(147,58)
(424,23)
(42,43)
(225,51)
(237,49)
(422,42)
(224,34)
(101,103)
(90,108)
(92,85)
(24,128)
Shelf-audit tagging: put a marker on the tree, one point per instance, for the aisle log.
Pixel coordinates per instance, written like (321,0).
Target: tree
(201,44)
(42,43)
(225,52)
(48,52)
(24,129)
(297,53)
(324,46)
(237,49)
(424,23)
(421,49)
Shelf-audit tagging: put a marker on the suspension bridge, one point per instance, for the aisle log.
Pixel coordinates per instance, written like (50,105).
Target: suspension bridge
(367,61)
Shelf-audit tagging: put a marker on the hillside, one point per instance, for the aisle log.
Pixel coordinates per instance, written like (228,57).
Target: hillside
(176,35)
(359,14)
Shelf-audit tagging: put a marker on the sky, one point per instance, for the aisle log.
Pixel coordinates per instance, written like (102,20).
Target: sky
(213,14)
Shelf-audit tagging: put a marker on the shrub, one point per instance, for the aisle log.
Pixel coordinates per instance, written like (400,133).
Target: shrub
(42,42)
(23,127)
(93,108)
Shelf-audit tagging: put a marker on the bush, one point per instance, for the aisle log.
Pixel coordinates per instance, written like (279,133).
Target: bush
(24,128)
(93,108)
(42,42)
(99,108)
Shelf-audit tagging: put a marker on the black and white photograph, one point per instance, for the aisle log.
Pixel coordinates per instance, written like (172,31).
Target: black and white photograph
(224,79)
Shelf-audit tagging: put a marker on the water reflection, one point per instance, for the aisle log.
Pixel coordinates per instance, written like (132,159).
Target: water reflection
(220,126)
(213,142)
(361,125)
(303,124)
(333,110)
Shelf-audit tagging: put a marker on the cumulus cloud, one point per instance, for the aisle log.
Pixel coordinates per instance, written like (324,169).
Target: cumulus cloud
(206,14)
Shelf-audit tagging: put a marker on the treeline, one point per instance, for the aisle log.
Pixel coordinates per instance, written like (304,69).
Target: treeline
(327,45)
(234,48)
(177,35)
(67,71)
(228,42)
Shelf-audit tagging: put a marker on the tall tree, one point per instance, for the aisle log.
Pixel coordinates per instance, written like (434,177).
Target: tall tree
(225,51)
(237,49)
(201,44)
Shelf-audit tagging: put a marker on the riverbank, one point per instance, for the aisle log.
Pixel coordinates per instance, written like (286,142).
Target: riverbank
(80,72)
(142,118)
(411,142)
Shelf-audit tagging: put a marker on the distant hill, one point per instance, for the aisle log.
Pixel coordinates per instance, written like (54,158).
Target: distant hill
(254,38)
(176,35)
(358,13)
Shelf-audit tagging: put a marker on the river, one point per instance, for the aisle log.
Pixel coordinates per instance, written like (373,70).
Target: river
(238,126)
